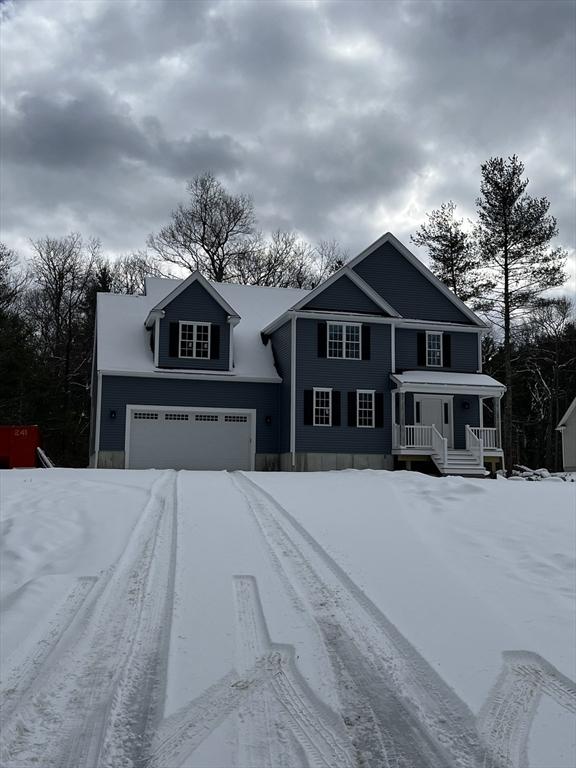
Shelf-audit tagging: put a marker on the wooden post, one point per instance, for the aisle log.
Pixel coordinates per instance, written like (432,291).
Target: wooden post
(402,418)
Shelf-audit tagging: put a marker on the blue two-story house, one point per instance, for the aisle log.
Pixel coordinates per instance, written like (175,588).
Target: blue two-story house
(378,367)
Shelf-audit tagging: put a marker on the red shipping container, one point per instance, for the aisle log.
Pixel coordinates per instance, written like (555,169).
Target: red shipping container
(18,446)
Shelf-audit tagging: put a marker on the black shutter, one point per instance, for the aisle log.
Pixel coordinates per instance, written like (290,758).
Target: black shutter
(365,342)
(214,342)
(446,350)
(322,336)
(379,409)
(152,339)
(335,409)
(421,349)
(174,338)
(352,409)
(308,406)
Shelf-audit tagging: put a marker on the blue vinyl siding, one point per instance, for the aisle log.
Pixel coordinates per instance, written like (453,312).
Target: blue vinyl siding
(343,376)
(464,348)
(405,288)
(281,341)
(119,391)
(195,304)
(463,416)
(344,296)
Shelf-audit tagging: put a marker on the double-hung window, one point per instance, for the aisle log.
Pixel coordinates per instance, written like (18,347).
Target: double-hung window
(365,408)
(322,407)
(433,349)
(344,340)
(194,340)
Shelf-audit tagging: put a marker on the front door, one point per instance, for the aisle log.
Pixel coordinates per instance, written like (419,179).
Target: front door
(437,410)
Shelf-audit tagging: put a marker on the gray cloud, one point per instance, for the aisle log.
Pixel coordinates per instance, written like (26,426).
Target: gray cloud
(343,119)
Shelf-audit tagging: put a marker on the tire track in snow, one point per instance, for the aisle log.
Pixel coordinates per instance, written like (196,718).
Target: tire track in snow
(418,719)
(25,675)
(100,696)
(505,719)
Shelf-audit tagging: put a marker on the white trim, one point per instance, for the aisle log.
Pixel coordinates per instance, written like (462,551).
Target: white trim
(446,398)
(388,237)
(194,277)
(343,325)
(189,409)
(393,349)
(204,376)
(230,347)
(479,353)
(293,391)
(97,426)
(157,342)
(195,324)
(566,416)
(435,333)
(345,271)
(437,325)
(366,392)
(321,389)
(372,319)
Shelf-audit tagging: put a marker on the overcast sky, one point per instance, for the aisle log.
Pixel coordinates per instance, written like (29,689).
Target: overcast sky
(342,119)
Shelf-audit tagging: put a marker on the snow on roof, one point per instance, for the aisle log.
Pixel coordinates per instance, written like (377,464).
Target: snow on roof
(447,379)
(124,343)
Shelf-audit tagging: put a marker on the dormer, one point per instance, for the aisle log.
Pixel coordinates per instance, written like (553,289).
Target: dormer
(192,328)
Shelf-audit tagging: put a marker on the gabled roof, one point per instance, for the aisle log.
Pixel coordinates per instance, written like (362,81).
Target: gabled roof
(415,262)
(345,271)
(123,343)
(195,277)
(564,419)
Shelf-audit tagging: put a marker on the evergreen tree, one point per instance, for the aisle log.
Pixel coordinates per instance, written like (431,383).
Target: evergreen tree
(453,257)
(514,232)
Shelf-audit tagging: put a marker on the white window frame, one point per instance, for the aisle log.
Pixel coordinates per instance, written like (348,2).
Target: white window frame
(195,324)
(365,392)
(439,334)
(343,326)
(319,390)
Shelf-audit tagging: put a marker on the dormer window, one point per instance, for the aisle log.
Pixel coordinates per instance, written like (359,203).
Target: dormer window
(194,340)
(433,349)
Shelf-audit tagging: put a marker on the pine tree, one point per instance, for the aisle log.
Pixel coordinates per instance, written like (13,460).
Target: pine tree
(514,232)
(454,259)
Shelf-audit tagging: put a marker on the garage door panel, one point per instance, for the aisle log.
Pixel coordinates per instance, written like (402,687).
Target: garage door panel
(190,440)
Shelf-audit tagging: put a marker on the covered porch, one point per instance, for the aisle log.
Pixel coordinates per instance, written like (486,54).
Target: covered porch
(452,418)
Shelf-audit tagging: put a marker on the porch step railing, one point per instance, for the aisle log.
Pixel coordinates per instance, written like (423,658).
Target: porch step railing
(439,446)
(488,435)
(475,445)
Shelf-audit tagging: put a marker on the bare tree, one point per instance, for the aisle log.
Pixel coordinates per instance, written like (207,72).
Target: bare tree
(62,271)
(129,273)
(13,279)
(212,233)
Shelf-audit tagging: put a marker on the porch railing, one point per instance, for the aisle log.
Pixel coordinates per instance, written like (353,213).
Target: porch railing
(439,445)
(475,445)
(488,435)
(412,436)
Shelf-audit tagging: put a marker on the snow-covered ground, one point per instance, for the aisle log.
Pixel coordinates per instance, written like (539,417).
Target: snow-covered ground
(256,620)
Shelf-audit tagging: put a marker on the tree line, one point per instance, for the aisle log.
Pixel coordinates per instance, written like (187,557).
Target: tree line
(502,265)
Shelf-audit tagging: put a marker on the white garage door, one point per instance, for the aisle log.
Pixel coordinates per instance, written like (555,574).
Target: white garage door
(189,438)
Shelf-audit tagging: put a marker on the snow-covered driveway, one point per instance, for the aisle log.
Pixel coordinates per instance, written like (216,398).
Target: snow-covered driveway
(255,620)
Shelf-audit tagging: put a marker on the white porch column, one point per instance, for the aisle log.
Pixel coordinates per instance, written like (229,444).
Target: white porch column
(498,419)
(402,418)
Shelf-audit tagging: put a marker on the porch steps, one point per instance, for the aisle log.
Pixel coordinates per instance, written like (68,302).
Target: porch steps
(459,462)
